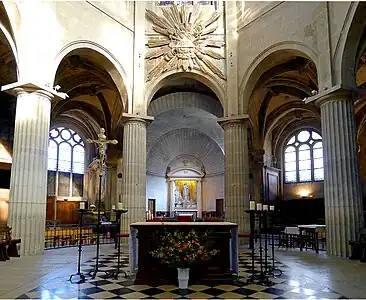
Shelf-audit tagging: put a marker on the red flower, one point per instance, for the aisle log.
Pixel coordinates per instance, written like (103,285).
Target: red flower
(199,252)
(185,258)
(185,246)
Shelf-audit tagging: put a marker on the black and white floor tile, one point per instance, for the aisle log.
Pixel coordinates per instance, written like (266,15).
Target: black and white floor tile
(286,286)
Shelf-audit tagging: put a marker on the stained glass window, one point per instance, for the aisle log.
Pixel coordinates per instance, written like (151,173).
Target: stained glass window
(66,155)
(303,157)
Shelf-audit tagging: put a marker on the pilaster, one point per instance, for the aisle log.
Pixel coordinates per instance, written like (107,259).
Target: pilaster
(134,169)
(28,183)
(236,170)
(342,187)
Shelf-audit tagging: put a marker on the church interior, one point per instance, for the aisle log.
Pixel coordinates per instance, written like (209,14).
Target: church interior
(133,127)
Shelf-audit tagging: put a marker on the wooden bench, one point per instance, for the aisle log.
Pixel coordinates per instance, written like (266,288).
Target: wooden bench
(358,248)
(8,246)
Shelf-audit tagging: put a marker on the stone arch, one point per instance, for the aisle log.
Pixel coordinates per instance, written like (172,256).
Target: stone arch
(354,26)
(262,63)
(112,65)
(185,99)
(160,81)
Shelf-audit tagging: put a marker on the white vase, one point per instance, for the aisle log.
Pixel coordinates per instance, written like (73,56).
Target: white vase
(183,277)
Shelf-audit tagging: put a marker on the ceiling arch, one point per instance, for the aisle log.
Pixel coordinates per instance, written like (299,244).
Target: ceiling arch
(185,141)
(185,99)
(185,117)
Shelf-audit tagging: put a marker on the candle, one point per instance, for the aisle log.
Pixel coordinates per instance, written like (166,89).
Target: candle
(259,206)
(82,205)
(252,205)
(265,207)
(119,206)
(271,207)
(113,207)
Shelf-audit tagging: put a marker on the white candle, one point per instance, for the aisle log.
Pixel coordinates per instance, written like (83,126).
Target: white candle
(113,207)
(252,205)
(82,205)
(271,207)
(259,206)
(265,207)
(119,206)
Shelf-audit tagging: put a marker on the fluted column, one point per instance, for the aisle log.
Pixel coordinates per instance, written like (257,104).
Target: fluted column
(28,183)
(236,171)
(134,171)
(342,188)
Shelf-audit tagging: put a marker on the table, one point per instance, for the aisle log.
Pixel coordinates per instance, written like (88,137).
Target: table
(310,234)
(219,270)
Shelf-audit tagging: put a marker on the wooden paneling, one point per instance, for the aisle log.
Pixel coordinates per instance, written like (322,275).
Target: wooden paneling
(50,208)
(66,213)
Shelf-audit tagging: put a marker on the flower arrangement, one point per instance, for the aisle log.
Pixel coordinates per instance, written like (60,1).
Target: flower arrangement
(181,249)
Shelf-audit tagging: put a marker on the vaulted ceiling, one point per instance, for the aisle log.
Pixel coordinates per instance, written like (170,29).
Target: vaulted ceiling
(185,129)
(276,102)
(93,94)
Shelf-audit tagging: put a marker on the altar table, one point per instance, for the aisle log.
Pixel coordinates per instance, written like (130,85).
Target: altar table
(220,269)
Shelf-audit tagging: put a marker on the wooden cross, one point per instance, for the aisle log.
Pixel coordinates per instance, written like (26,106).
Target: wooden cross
(101,143)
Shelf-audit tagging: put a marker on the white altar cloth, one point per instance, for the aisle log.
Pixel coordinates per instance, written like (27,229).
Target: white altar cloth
(133,241)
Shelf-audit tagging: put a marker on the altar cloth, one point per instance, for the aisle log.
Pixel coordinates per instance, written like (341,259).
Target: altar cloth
(133,240)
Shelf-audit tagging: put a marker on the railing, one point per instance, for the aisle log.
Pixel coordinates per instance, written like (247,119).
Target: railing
(61,236)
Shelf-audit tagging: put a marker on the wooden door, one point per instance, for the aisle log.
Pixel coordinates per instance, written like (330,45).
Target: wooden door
(271,184)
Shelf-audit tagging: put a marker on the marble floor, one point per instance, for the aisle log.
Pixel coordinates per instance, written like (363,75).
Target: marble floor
(305,276)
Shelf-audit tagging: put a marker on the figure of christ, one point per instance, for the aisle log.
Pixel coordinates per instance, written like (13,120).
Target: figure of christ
(177,197)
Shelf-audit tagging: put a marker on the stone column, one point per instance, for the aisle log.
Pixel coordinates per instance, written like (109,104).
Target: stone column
(28,183)
(342,186)
(236,170)
(134,170)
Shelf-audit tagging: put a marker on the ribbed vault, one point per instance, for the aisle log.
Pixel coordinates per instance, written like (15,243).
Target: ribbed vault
(185,141)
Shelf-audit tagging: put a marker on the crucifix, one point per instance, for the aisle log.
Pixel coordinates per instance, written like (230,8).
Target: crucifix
(101,143)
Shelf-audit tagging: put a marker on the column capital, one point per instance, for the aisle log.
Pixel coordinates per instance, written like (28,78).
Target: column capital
(239,120)
(337,92)
(130,118)
(19,88)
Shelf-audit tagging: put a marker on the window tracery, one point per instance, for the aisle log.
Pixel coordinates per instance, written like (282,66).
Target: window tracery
(66,156)
(303,157)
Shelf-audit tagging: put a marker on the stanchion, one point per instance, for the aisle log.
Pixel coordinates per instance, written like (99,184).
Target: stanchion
(80,277)
(102,143)
(119,213)
(251,213)
(273,271)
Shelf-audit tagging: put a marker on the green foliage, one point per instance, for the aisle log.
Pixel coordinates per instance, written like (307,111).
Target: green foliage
(182,249)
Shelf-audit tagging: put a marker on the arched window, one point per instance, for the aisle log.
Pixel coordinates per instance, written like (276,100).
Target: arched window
(303,157)
(66,155)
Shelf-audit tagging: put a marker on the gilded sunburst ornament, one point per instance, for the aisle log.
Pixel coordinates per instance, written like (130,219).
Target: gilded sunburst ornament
(186,42)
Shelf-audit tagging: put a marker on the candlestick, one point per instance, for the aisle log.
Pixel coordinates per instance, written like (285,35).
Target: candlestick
(259,206)
(271,207)
(119,206)
(113,207)
(252,205)
(265,207)
(82,205)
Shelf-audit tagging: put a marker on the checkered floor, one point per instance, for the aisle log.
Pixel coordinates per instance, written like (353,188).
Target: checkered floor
(282,287)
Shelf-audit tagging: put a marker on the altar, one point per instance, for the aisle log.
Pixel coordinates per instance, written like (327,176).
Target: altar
(221,269)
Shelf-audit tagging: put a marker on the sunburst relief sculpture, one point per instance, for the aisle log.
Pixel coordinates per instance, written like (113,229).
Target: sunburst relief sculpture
(186,42)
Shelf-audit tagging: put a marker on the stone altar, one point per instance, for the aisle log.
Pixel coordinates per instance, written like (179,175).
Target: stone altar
(219,270)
